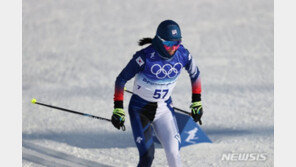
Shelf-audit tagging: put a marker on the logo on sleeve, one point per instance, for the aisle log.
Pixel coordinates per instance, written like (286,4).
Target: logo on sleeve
(140,61)
(189,56)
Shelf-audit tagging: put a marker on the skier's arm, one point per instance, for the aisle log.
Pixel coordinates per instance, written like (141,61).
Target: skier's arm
(194,75)
(135,65)
(196,106)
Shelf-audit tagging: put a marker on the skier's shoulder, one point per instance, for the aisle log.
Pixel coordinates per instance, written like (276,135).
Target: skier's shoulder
(147,50)
(184,53)
(183,50)
(140,56)
(144,52)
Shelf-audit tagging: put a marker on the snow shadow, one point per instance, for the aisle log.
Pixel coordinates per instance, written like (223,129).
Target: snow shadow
(125,139)
(221,133)
(86,139)
(43,156)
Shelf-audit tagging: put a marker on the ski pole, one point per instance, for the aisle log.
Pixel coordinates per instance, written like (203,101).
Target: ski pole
(34,101)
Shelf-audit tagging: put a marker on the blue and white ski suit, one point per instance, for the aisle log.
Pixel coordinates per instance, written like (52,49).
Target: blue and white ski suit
(150,106)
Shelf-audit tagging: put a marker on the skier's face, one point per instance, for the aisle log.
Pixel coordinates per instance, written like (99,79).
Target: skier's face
(171,46)
(171,50)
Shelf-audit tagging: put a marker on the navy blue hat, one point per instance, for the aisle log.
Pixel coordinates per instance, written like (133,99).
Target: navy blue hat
(167,30)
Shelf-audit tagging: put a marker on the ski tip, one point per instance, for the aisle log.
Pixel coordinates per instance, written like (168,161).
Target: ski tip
(33,101)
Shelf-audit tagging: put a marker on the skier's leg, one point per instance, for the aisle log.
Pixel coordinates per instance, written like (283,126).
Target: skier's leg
(142,131)
(167,132)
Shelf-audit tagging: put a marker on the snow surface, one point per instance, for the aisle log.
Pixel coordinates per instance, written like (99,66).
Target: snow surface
(73,51)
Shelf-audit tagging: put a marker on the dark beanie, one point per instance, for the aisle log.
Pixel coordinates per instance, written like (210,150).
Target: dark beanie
(167,30)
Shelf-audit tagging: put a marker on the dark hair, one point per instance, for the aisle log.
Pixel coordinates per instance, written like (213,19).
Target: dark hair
(145,41)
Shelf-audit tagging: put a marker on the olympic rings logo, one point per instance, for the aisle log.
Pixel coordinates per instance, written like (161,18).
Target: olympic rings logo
(166,70)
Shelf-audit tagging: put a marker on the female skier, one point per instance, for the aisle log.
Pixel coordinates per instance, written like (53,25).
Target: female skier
(156,69)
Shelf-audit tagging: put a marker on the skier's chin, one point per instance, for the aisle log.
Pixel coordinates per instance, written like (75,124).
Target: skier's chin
(171,52)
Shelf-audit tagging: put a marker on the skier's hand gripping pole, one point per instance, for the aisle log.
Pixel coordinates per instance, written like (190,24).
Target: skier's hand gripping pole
(196,111)
(118,118)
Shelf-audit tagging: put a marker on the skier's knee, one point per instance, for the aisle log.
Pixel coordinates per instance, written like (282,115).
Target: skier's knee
(173,153)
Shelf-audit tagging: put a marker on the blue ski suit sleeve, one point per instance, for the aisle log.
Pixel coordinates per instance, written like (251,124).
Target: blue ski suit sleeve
(194,75)
(135,65)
